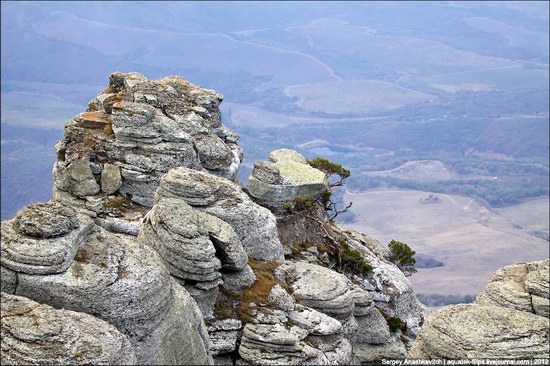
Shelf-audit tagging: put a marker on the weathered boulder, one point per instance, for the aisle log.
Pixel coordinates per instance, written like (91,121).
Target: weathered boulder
(111,179)
(224,336)
(133,133)
(285,175)
(388,287)
(121,282)
(319,288)
(43,238)
(255,226)
(37,334)
(367,353)
(301,336)
(482,331)
(523,286)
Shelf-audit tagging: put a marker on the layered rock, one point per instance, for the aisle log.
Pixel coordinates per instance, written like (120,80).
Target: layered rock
(480,331)
(43,239)
(134,132)
(390,290)
(300,336)
(90,270)
(523,286)
(255,226)
(150,159)
(285,175)
(509,319)
(37,334)
(194,246)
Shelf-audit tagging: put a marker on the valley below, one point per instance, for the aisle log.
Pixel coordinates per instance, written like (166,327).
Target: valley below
(471,240)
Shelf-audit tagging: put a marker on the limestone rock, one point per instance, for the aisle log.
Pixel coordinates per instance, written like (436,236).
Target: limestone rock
(188,240)
(254,225)
(78,179)
(43,239)
(482,331)
(319,288)
(37,334)
(304,337)
(523,286)
(139,129)
(368,353)
(285,175)
(45,220)
(267,344)
(282,299)
(238,281)
(174,230)
(387,285)
(117,225)
(372,328)
(126,284)
(111,179)
(223,336)
(314,322)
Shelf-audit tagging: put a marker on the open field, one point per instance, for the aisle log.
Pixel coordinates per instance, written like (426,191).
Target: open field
(354,96)
(472,241)
(186,50)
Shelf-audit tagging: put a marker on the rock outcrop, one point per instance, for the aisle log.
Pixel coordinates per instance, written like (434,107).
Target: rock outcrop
(523,286)
(90,270)
(133,133)
(147,235)
(509,319)
(285,175)
(37,334)
(255,226)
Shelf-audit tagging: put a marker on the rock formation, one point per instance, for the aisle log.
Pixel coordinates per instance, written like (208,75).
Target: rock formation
(148,252)
(509,319)
(37,334)
(113,278)
(133,133)
(283,176)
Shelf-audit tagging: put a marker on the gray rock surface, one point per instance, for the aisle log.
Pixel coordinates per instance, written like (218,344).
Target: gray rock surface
(285,175)
(135,132)
(523,286)
(482,331)
(127,285)
(254,225)
(43,239)
(301,336)
(319,288)
(372,328)
(224,336)
(387,285)
(366,353)
(238,281)
(37,334)
(111,179)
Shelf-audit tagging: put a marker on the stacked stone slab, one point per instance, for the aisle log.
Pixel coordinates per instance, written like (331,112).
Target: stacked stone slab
(285,175)
(58,257)
(58,337)
(134,132)
(509,319)
(255,226)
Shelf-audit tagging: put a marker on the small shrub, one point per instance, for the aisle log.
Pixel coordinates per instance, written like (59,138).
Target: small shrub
(352,259)
(395,323)
(303,203)
(117,203)
(403,256)
(329,168)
